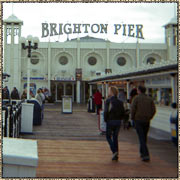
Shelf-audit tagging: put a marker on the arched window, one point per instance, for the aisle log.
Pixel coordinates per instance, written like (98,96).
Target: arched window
(151,60)
(121,61)
(92,60)
(34,59)
(63,60)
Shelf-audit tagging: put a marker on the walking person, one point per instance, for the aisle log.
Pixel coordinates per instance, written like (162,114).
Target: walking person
(113,114)
(98,100)
(142,111)
(133,92)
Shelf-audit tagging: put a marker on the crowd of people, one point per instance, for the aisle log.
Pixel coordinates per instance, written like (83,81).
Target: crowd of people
(41,95)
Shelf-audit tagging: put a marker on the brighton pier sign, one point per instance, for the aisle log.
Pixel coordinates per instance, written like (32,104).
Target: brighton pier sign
(53,29)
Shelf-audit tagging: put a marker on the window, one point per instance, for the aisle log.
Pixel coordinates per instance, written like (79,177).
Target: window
(121,61)
(63,60)
(92,60)
(34,59)
(151,60)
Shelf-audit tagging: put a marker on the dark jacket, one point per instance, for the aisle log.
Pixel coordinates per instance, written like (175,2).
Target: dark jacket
(114,109)
(143,108)
(15,94)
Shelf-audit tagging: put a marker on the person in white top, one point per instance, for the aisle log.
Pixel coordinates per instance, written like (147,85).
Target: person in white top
(39,97)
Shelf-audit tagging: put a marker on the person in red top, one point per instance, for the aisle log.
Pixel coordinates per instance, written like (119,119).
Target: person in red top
(98,100)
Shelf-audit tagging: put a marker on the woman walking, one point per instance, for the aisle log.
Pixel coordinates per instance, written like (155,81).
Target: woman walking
(113,114)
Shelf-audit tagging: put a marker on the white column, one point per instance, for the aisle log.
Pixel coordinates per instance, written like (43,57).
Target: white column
(137,54)
(49,67)
(28,77)
(128,89)
(174,88)
(78,89)
(19,60)
(107,53)
(5,55)
(159,95)
(12,79)
(102,96)
(78,54)
(107,86)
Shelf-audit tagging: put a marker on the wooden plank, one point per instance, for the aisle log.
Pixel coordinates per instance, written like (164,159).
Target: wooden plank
(64,158)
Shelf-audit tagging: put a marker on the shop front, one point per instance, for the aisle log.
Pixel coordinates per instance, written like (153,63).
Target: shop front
(63,88)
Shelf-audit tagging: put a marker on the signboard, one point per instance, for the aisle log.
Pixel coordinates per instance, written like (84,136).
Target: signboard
(64,79)
(53,29)
(102,123)
(67,104)
(79,74)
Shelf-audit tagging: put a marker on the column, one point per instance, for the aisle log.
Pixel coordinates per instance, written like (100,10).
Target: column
(5,55)
(137,54)
(102,96)
(12,79)
(90,96)
(174,87)
(49,66)
(78,83)
(78,54)
(107,49)
(159,95)
(107,86)
(19,60)
(28,77)
(128,89)
(84,87)
(78,89)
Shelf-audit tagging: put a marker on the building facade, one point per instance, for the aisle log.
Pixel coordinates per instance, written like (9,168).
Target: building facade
(66,67)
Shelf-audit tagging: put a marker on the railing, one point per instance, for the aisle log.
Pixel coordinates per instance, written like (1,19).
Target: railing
(11,118)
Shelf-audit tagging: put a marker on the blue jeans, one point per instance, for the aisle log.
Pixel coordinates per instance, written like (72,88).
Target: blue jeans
(142,129)
(112,131)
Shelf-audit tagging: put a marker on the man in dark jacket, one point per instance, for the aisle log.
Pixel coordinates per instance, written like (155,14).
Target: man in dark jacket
(113,114)
(5,93)
(142,111)
(15,94)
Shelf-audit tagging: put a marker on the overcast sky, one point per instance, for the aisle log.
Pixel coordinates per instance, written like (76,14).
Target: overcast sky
(151,15)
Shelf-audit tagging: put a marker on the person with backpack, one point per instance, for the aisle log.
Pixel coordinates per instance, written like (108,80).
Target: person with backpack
(113,115)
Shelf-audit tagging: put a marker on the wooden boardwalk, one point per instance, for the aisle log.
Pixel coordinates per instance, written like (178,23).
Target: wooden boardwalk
(70,146)
(67,158)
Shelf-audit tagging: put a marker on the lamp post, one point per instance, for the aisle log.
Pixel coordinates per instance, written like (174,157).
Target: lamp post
(29,43)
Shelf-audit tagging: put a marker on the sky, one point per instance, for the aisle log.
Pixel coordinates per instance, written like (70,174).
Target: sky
(153,16)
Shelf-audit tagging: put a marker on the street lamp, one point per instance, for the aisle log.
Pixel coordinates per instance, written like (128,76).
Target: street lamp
(29,43)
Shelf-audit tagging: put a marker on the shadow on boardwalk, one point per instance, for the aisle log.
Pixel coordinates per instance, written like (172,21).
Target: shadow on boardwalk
(70,145)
